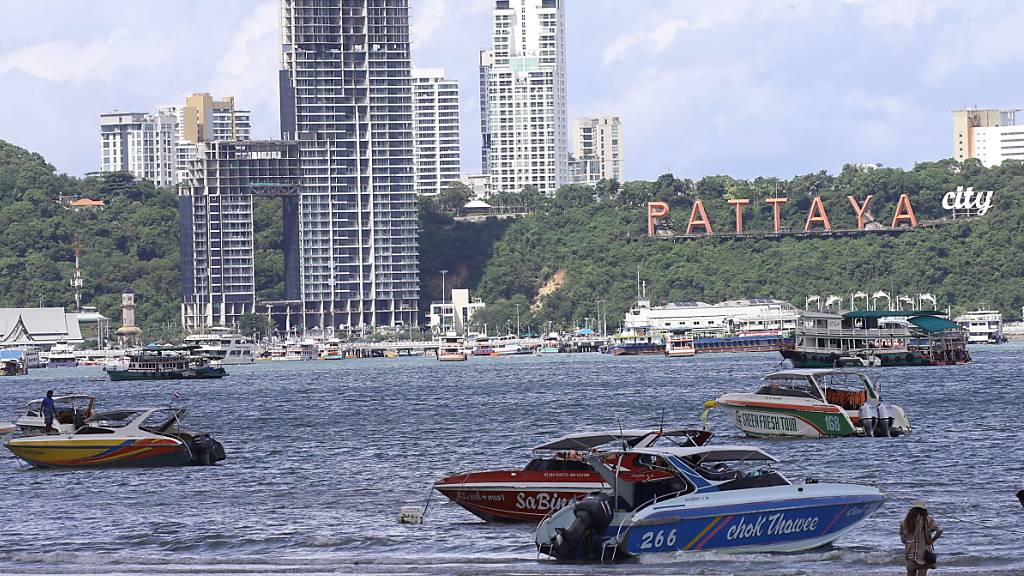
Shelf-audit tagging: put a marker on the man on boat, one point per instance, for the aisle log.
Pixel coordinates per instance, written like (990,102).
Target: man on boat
(48,410)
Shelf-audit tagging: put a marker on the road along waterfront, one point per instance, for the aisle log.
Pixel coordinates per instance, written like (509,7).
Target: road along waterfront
(321,455)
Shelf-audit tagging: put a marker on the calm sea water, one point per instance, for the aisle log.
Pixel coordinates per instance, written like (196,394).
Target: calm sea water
(321,456)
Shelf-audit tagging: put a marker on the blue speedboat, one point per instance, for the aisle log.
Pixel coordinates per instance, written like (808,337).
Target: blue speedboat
(725,498)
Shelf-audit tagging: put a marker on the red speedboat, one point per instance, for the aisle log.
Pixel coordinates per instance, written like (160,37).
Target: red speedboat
(557,476)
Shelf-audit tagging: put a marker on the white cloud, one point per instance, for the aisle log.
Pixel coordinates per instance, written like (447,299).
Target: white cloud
(248,70)
(905,13)
(426,21)
(97,59)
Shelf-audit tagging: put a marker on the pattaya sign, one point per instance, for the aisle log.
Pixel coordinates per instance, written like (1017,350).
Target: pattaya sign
(967,200)
(817,216)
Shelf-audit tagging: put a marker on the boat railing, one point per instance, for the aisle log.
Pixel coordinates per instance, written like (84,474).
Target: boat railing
(868,333)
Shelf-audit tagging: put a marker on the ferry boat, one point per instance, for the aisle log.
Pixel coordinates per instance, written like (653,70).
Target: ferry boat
(165,363)
(332,350)
(61,355)
(726,498)
(224,345)
(983,326)
(679,343)
(709,341)
(751,316)
(482,346)
(556,476)
(295,351)
(636,343)
(814,404)
(550,345)
(451,349)
(508,345)
(876,338)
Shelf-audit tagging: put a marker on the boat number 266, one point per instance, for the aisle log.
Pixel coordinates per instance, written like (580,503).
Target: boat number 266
(658,539)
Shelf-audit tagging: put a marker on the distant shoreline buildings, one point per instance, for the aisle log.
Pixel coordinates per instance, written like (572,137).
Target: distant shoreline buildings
(596,150)
(991,136)
(435,131)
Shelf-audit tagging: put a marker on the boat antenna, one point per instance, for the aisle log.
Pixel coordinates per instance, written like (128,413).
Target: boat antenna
(661,429)
(622,435)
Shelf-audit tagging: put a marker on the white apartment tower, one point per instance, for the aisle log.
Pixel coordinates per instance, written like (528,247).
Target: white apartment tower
(991,136)
(435,133)
(525,136)
(139,143)
(596,149)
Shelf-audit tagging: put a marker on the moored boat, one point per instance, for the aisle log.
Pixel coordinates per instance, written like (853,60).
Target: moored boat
(983,326)
(711,498)
(636,343)
(165,363)
(679,343)
(813,404)
(146,437)
(224,345)
(876,337)
(6,429)
(12,363)
(557,475)
(451,349)
(61,355)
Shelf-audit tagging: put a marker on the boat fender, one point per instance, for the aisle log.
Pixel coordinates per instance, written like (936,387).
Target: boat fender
(885,420)
(869,417)
(593,515)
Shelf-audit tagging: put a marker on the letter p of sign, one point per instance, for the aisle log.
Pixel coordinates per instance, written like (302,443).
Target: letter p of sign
(655,210)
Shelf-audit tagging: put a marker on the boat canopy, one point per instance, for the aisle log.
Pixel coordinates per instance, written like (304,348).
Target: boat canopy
(934,324)
(589,440)
(890,313)
(720,453)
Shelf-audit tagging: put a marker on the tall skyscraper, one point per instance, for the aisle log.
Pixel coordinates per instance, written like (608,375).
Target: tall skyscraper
(596,149)
(526,97)
(435,133)
(988,135)
(486,59)
(344,169)
(140,143)
(203,119)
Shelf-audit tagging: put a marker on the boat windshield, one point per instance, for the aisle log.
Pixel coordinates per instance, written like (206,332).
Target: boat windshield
(789,385)
(114,419)
(737,474)
(161,420)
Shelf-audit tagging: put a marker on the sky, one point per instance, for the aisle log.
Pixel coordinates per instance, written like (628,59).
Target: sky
(740,87)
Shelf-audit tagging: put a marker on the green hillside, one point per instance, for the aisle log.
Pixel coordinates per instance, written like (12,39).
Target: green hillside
(131,244)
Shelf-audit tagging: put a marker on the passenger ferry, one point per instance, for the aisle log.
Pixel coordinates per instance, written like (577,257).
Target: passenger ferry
(679,344)
(224,345)
(876,338)
(62,355)
(166,363)
(452,349)
(983,326)
(636,343)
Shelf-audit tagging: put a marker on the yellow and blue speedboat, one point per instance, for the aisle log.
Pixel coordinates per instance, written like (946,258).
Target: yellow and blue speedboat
(145,437)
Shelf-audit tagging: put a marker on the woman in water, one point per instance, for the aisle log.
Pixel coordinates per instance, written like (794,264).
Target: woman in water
(918,532)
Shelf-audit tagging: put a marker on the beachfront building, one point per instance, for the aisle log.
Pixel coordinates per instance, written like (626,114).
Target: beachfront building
(991,136)
(525,137)
(596,149)
(454,315)
(344,169)
(435,130)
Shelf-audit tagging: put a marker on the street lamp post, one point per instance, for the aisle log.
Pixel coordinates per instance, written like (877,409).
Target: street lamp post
(443,273)
(518,331)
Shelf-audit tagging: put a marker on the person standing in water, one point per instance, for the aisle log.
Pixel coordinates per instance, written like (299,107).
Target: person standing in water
(919,531)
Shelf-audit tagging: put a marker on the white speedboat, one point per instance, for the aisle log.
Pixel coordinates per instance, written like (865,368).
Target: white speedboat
(814,403)
(145,437)
(725,498)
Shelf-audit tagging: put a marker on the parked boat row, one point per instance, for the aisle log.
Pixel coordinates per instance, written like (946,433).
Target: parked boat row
(82,437)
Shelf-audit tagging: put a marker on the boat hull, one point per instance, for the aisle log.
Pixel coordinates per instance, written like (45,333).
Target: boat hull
(788,526)
(458,357)
(801,359)
(519,496)
(119,453)
(768,419)
(647,350)
(739,344)
(200,374)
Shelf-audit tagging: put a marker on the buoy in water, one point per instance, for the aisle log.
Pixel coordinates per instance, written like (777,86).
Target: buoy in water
(410,515)
(1020,496)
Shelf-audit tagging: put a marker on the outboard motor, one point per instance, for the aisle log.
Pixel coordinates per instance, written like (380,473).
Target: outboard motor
(580,540)
(205,450)
(885,420)
(869,417)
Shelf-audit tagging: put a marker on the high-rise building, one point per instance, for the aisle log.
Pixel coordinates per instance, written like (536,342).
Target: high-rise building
(596,149)
(435,132)
(486,59)
(526,97)
(972,126)
(139,143)
(157,146)
(347,117)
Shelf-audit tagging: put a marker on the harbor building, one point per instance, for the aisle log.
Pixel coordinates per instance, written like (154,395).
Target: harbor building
(41,328)
(596,150)
(454,315)
(991,136)
(344,169)
(435,130)
(525,136)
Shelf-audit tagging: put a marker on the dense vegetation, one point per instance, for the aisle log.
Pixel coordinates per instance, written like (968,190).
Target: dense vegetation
(597,237)
(578,247)
(132,244)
